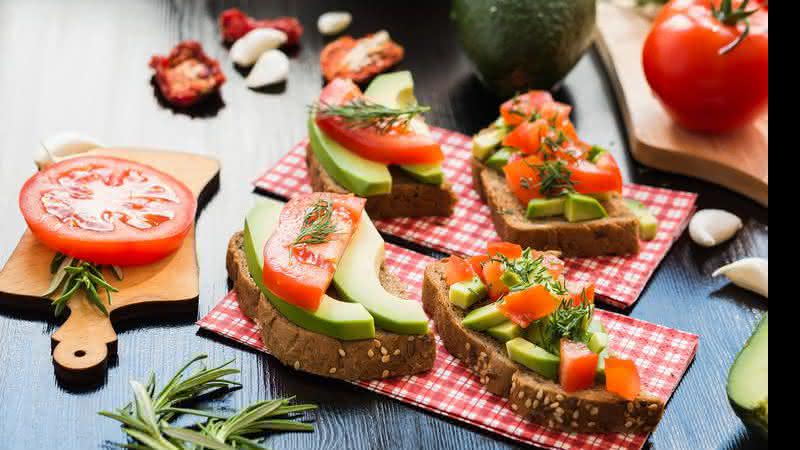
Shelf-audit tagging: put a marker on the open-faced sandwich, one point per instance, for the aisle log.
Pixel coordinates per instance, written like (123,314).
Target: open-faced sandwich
(376,145)
(549,190)
(310,273)
(533,338)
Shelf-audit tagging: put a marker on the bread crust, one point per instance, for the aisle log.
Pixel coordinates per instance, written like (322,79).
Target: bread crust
(618,234)
(532,396)
(387,355)
(409,198)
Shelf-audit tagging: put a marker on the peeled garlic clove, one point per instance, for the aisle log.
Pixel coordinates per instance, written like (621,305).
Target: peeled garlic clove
(245,51)
(711,227)
(334,22)
(62,145)
(750,273)
(272,68)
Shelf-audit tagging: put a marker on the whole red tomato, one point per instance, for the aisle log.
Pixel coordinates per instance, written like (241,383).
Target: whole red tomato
(708,62)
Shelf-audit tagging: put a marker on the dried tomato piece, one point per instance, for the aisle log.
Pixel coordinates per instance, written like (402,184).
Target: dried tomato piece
(360,59)
(234,24)
(187,75)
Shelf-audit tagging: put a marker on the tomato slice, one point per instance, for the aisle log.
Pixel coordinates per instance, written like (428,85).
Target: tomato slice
(397,146)
(578,366)
(458,270)
(580,292)
(507,249)
(556,113)
(523,178)
(527,137)
(477,263)
(608,163)
(528,306)
(519,109)
(492,272)
(590,178)
(297,269)
(108,211)
(622,378)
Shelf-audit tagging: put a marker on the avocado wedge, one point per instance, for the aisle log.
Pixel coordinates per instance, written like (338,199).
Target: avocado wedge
(748,382)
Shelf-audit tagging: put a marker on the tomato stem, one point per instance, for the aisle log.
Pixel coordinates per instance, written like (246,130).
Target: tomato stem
(731,17)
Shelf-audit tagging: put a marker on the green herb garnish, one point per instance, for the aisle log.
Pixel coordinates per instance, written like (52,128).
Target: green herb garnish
(362,113)
(568,321)
(75,275)
(555,179)
(318,225)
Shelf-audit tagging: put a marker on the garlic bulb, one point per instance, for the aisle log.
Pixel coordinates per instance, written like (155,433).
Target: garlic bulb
(246,51)
(272,68)
(711,227)
(334,22)
(750,273)
(62,145)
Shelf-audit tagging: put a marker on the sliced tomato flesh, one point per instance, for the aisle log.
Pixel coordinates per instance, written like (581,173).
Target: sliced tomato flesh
(581,293)
(477,263)
(299,269)
(528,306)
(458,270)
(527,137)
(507,249)
(578,366)
(523,178)
(589,178)
(402,146)
(492,273)
(622,378)
(520,108)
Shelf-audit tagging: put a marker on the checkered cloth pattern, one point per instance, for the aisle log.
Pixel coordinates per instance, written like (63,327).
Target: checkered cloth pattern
(662,355)
(620,280)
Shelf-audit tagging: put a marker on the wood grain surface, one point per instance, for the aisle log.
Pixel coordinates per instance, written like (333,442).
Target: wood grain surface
(82,65)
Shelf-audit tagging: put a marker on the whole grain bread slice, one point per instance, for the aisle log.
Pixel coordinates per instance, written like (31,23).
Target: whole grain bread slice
(618,234)
(532,396)
(409,198)
(387,355)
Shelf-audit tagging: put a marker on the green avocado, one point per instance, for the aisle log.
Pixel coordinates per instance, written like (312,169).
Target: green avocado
(598,342)
(581,208)
(483,318)
(600,374)
(360,176)
(748,382)
(546,207)
(505,331)
(467,293)
(357,280)
(533,357)
(340,320)
(648,224)
(396,90)
(521,44)
(487,141)
(500,158)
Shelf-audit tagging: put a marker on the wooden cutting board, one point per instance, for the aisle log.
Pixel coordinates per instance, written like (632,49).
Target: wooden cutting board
(738,161)
(83,344)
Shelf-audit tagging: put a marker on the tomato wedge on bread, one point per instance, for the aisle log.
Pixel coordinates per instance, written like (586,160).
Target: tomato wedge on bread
(301,256)
(108,211)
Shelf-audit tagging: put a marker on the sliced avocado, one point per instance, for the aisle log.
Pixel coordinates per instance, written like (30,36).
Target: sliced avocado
(358,175)
(648,224)
(533,357)
(486,141)
(483,318)
(505,331)
(467,293)
(510,279)
(357,280)
(535,333)
(596,326)
(546,207)
(396,90)
(581,208)
(748,382)
(341,320)
(500,158)
(598,342)
(602,196)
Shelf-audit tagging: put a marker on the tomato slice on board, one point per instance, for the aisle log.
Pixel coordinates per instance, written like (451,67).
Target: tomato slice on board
(108,211)
(520,108)
(507,249)
(397,146)
(578,366)
(528,306)
(477,263)
(492,272)
(298,265)
(622,378)
(458,270)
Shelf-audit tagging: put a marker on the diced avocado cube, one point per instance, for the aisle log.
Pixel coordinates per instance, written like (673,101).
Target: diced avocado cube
(499,159)
(536,333)
(581,208)
(510,279)
(425,173)
(596,326)
(486,141)
(500,123)
(595,153)
(484,318)
(467,293)
(505,331)
(598,342)
(601,366)
(602,196)
(533,357)
(648,224)
(546,207)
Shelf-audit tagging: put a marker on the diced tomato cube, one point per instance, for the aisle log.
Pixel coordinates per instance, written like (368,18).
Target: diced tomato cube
(507,249)
(578,366)
(477,263)
(622,378)
(458,270)
(492,272)
(528,306)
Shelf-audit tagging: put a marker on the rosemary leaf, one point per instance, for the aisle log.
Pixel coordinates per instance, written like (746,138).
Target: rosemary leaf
(197,438)
(59,275)
(362,113)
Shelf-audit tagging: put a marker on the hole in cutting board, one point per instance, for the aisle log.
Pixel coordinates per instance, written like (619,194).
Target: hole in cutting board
(80,353)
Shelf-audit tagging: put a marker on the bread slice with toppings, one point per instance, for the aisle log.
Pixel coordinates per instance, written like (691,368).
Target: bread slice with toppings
(387,355)
(540,400)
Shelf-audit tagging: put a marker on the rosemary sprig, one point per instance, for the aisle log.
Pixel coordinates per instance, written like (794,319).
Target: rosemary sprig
(363,113)
(555,179)
(147,419)
(75,275)
(317,225)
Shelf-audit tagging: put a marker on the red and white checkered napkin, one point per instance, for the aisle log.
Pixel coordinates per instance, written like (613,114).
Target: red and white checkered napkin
(662,355)
(620,280)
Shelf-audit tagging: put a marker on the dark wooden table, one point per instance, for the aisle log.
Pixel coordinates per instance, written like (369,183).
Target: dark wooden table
(82,65)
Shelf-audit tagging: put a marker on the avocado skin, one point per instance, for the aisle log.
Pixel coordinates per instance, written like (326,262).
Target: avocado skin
(756,420)
(524,44)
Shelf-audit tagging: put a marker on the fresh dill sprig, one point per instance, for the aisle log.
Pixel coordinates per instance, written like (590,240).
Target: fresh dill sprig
(317,225)
(568,321)
(555,179)
(75,275)
(363,113)
(532,272)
